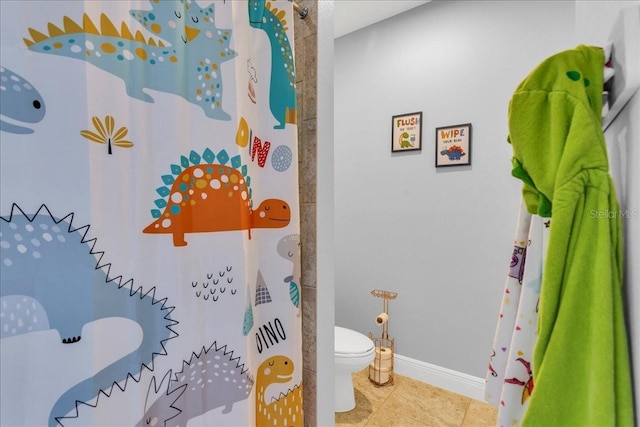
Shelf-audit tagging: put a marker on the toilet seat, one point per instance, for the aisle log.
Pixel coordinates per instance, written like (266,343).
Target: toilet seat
(352,344)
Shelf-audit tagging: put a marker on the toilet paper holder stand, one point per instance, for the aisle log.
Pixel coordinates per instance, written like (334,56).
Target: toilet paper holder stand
(381,369)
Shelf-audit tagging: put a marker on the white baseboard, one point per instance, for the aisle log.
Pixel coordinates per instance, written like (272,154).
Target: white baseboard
(454,381)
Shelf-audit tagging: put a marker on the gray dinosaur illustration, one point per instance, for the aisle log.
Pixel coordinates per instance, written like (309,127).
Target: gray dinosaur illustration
(51,271)
(211,379)
(289,248)
(19,102)
(185,59)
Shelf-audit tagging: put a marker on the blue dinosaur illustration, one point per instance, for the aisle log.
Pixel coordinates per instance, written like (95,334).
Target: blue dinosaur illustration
(184,61)
(454,152)
(210,379)
(282,95)
(19,101)
(47,260)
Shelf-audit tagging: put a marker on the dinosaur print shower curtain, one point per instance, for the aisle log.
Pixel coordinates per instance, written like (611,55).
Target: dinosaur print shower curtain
(150,243)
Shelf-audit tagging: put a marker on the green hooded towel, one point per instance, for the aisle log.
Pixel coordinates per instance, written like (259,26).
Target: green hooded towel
(581,368)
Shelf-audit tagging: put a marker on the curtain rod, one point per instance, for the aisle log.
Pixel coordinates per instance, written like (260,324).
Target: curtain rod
(302,11)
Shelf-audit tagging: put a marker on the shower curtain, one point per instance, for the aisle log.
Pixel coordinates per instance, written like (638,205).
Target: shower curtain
(509,379)
(149,214)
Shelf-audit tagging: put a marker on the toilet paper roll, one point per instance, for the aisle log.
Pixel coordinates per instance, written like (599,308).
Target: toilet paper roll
(383,358)
(380,376)
(383,353)
(382,319)
(383,365)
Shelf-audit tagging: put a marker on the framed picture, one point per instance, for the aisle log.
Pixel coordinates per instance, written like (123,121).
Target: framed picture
(406,132)
(453,145)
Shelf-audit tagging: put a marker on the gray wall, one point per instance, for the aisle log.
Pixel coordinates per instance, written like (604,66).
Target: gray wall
(440,238)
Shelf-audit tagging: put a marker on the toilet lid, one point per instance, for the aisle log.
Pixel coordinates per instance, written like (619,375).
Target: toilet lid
(349,342)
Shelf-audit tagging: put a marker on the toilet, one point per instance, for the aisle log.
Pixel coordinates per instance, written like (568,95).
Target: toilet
(353,352)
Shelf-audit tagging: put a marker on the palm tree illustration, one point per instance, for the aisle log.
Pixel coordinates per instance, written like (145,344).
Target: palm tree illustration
(105,133)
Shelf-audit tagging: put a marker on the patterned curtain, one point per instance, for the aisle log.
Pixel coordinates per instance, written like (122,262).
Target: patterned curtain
(509,379)
(149,211)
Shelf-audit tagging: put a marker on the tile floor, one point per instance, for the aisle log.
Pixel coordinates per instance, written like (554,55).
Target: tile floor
(409,403)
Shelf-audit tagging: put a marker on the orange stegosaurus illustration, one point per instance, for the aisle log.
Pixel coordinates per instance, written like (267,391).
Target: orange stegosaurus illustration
(209,197)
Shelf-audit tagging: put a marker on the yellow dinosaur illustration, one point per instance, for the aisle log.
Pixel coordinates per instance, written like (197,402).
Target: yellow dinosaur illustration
(286,410)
